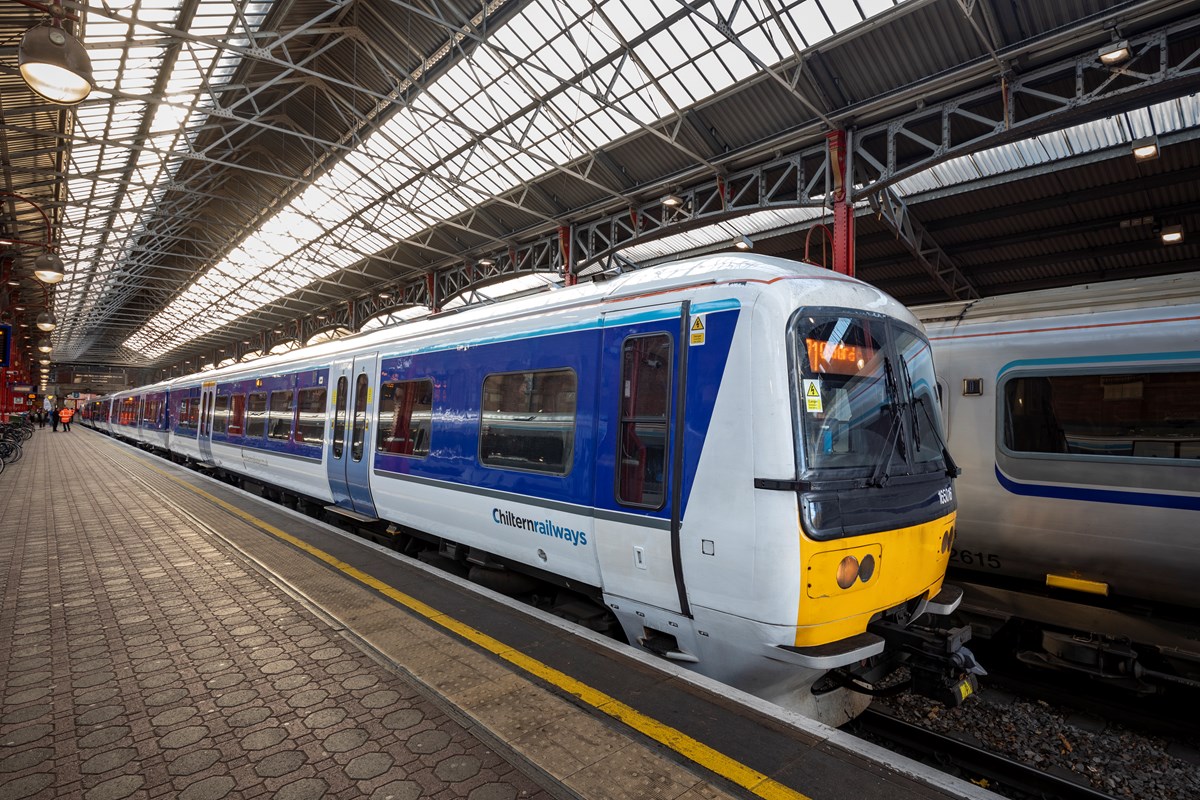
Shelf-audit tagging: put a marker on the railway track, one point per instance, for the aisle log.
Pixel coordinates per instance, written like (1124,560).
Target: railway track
(989,769)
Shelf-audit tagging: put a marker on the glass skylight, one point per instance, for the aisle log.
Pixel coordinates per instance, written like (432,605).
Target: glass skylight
(559,80)
(127,61)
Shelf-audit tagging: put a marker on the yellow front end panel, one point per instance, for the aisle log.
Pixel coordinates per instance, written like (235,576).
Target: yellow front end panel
(907,562)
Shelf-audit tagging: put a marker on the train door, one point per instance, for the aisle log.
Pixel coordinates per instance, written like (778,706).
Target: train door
(208,393)
(349,457)
(641,391)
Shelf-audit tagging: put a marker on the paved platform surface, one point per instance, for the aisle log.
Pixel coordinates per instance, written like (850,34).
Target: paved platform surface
(146,659)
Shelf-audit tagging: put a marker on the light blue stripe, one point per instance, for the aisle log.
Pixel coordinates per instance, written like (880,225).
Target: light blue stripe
(713,306)
(1183,355)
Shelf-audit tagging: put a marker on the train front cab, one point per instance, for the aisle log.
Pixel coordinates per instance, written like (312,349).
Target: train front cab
(877,507)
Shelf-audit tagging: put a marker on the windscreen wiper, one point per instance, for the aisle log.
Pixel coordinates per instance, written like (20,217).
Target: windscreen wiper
(912,398)
(952,469)
(895,437)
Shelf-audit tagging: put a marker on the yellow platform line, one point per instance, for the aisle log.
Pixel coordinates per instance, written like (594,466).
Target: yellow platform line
(691,749)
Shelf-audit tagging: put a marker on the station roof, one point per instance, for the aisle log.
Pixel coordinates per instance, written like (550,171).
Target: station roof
(249,173)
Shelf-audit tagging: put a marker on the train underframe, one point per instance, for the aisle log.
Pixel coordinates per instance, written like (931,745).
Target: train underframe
(1143,648)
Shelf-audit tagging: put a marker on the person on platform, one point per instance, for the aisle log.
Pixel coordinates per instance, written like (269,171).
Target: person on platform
(54,419)
(65,415)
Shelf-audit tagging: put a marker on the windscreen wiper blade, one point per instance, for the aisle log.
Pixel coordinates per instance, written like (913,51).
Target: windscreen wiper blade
(952,468)
(895,437)
(912,398)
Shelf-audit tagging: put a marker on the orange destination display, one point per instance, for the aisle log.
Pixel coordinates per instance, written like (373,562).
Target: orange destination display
(837,358)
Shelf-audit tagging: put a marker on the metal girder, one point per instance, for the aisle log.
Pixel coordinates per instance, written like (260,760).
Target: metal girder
(892,209)
(798,180)
(1021,106)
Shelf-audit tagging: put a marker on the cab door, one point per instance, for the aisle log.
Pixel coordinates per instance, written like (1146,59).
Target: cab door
(641,391)
(349,456)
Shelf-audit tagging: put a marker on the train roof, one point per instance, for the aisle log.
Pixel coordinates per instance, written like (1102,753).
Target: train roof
(720,268)
(1133,293)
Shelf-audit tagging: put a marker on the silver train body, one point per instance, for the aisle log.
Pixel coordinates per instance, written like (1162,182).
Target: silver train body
(1075,417)
(704,451)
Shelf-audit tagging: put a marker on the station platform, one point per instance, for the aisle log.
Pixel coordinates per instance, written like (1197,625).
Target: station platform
(165,635)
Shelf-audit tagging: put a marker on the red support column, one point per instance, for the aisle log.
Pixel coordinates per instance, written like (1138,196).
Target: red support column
(843,210)
(564,247)
(431,288)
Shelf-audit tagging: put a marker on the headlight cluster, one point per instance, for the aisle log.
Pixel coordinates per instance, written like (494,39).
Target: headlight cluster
(948,540)
(851,569)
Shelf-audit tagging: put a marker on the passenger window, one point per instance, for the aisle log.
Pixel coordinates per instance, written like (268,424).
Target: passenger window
(193,413)
(204,404)
(237,415)
(643,434)
(528,421)
(150,411)
(339,417)
(1131,415)
(405,416)
(360,418)
(256,414)
(220,423)
(279,424)
(310,416)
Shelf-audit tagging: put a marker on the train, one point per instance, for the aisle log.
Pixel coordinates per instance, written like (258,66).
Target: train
(735,463)
(1074,414)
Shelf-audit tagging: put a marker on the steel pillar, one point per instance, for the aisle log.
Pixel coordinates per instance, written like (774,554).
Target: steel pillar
(843,208)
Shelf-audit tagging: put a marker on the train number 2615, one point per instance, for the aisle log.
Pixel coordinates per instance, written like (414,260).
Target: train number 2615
(975,558)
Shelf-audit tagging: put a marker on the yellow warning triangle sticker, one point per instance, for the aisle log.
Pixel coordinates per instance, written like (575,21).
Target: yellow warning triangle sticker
(812,390)
(698,324)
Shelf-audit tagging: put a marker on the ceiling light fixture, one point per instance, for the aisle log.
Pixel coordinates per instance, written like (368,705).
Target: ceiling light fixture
(44,345)
(485,263)
(54,63)
(672,201)
(1114,52)
(47,267)
(46,321)
(1172,234)
(743,243)
(1145,149)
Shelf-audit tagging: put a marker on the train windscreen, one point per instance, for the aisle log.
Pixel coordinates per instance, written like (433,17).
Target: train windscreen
(868,398)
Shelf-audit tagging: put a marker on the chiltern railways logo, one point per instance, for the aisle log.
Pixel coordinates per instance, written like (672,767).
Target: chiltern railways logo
(545,527)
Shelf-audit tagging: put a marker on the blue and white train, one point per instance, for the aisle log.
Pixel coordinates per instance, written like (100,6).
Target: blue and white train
(1075,415)
(736,461)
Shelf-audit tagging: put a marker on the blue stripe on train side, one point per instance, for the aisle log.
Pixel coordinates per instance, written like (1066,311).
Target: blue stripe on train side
(1125,498)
